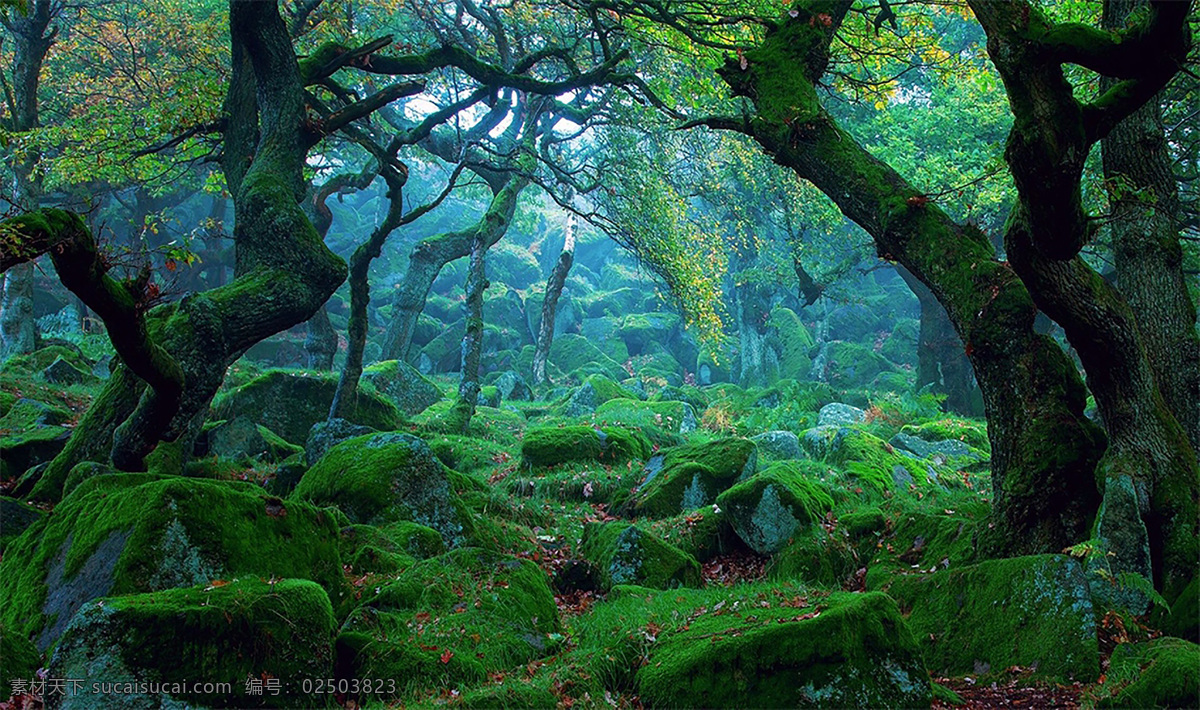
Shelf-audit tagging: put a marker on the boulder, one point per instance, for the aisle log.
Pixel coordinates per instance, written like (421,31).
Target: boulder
(60,372)
(840,414)
(624,553)
(768,508)
(576,355)
(688,477)
(141,648)
(1160,673)
(947,449)
(550,446)
(130,533)
(329,433)
(21,659)
(513,387)
(30,434)
(778,445)
(664,422)
(843,651)
(15,518)
(1034,612)
(400,382)
(382,478)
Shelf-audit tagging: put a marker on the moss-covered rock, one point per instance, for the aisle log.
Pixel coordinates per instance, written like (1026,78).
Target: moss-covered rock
(768,508)
(63,373)
(901,344)
(15,518)
(688,477)
(595,391)
(850,365)
(628,554)
(129,533)
(84,470)
(20,659)
(450,620)
(289,403)
(549,446)
(42,358)
(30,434)
(851,650)
(703,534)
(409,390)
(827,558)
(383,478)
(778,445)
(1026,611)
(972,433)
(142,648)
(793,342)
(390,548)
(575,354)
(662,422)
(1184,619)
(1161,673)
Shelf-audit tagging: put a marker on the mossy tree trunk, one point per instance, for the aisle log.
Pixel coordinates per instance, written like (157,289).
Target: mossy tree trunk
(1151,504)
(472,343)
(1145,220)
(941,363)
(431,254)
(554,288)
(1044,450)
(33,37)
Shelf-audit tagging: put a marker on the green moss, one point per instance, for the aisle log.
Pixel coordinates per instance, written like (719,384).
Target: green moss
(450,620)
(219,633)
(662,422)
(1025,611)
(847,650)
(549,446)
(277,448)
(794,342)
(502,426)
(816,556)
(876,464)
(849,365)
(17,517)
(81,472)
(40,359)
(128,533)
(21,659)
(468,454)
(390,548)
(1161,673)
(595,481)
(576,355)
(1184,619)
(384,478)
(692,476)
(973,433)
(289,403)
(627,554)
(769,507)
(703,534)
(946,696)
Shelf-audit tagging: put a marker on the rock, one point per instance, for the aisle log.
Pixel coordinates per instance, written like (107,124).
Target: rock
(627,554)
(1184,618)
(1160,673)
(703,533)
(60,372)
(329,433)
(1033,612)
(408,389)
(382,478)
(488,397)
(389,549)
(550,446)
(778,445)
(34,436)
(236,438)
(456,618)
(81,472)
(595,391)
(848,365)
(130,533)
(692,476)
(21,658)
(949,448)
(853,322)
(290,403)
(793,342)
(838,413)
(220,633)
(663,422)
(767,509)
(513,387)
(847,651)
(15,518)
(822,442)
(576,355)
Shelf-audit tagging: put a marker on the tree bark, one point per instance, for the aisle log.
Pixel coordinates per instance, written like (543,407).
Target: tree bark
(1044,450)
(320,341)
(472,344)
(428,257)
(1148,257)
(554,287)
(941,363)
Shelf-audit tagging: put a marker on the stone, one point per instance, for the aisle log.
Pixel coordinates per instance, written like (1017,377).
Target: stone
(767,509)
(61,372)
(624,553)
(327,434)
(778,445)
(403,384)
(838,413)
(513,387)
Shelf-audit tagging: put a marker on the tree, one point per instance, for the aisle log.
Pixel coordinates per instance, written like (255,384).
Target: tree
(554,287)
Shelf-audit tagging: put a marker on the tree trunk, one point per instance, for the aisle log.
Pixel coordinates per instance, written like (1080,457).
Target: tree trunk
(472,344)
(428,257)
(1044,450)
(18,332)
(1146,249)
(941,363)
(345,400)
(554,287)
(320,342)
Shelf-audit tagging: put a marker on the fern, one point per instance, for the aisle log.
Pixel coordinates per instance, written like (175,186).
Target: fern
(1138,583)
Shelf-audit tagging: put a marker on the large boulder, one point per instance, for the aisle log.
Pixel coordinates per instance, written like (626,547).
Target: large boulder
(628,554)
(549,446)
(840,414)
(409,390)
(290,402)
(595,391)
(146,650)
(30,434)
(848,365)
(768,508)
(576,355)
(513,387)
(688,477)
(792,341)
(1160,673)
(454,618)
(843,651)
(663,422)
(63,373)
(130,533)
(1034,612)
(21,659)
(382,478)
(329,433)
(778,445)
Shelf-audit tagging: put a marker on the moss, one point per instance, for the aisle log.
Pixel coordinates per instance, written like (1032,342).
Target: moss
(1026,611)
(390,548)
(277,448)
(576,355)
(1156,674)
(794,342)
(818,557)
(703,534)
(661,422)
(451,620)
(81,472)
(468,454)
(946,696)
(214,633)
(973,433)
(769,507)
(128,533)
(628,554)
(289,403)
(502,426)
(408,389)
(598,482)
(1184,619)
(848,650)
(384,478)
(21,659)
(16,517)
(692,476)
(38,360)
(549,446)
(876,464)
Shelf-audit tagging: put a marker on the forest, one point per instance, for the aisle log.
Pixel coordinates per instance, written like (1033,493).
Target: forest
(599,354)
